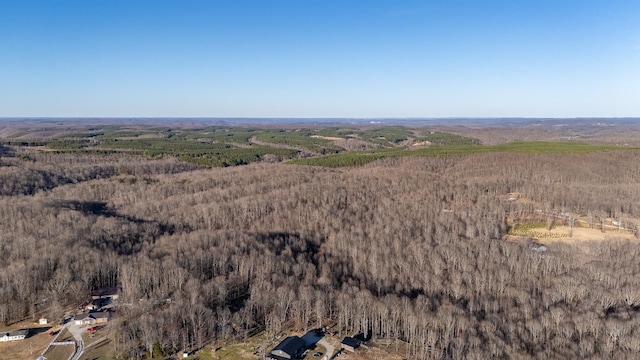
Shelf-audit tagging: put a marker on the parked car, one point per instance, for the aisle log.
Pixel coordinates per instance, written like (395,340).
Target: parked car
(92,329)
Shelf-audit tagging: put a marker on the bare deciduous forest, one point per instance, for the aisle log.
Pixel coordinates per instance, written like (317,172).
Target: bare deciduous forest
(408,248)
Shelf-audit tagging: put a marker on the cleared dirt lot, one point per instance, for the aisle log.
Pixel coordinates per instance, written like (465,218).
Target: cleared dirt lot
(333,138)
(561,233)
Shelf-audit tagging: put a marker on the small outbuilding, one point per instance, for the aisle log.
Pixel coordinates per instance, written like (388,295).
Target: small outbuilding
(349,344)
(290,348)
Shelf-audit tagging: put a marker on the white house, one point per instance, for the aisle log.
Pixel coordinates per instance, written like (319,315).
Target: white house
(13,335)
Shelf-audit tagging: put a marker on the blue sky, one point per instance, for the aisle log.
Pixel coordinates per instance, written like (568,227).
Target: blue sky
(320,58)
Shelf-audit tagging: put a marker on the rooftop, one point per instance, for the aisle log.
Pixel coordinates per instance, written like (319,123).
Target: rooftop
(349,341)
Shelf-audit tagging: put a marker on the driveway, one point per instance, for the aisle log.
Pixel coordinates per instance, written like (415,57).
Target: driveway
(77,331)
(327,346)
(317,337)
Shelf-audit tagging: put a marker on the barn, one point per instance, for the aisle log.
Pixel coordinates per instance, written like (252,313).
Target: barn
(350,344)
(289,349)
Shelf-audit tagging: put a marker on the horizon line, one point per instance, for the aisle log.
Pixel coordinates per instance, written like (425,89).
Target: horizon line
(316,118)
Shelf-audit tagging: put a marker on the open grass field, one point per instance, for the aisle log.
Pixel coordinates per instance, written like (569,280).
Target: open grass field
(563,233)
(361,158)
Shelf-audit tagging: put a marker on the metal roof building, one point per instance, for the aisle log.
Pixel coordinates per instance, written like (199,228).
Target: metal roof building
(350,344)
(290,348)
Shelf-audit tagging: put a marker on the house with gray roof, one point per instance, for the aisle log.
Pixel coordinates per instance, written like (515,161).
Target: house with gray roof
(90,318)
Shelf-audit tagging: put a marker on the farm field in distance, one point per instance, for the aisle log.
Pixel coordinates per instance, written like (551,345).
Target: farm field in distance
(219,239)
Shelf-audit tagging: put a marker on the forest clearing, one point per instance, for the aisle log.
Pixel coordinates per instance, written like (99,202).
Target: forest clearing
(577,234)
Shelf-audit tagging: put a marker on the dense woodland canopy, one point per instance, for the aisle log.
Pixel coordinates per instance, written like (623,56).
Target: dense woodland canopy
(407,248)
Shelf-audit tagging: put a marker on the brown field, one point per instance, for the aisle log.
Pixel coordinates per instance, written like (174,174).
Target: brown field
(65,335)
(90,338)
(562,233)
(103,350)
(32,346)
(421,143)
(60,352)
(332,138)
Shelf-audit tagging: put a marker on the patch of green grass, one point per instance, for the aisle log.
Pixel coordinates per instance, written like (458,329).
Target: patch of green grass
(387,135)
(233,156)
(299,139)
(69,144)
(527,227)
(361,158)
(222,134)
(441,138)
(338,132)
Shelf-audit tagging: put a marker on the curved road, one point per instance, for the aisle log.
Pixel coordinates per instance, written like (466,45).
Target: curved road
(77,331)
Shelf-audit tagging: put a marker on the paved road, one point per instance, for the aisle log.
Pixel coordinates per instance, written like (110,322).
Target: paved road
(76,331)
